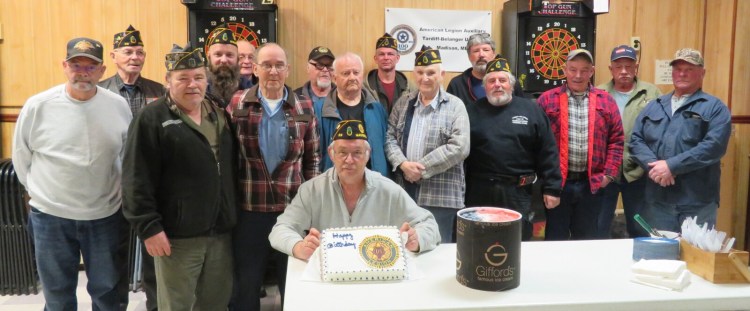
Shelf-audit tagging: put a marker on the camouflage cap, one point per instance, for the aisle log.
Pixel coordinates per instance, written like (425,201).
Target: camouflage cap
(689,55)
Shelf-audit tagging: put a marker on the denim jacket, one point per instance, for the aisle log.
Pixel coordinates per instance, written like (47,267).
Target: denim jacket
(692,141)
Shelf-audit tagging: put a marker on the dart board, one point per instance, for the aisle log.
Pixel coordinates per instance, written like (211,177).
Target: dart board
(252,20)
(546,42)
(539,34)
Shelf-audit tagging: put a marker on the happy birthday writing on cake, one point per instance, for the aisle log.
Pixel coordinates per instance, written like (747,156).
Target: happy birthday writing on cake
(341,240)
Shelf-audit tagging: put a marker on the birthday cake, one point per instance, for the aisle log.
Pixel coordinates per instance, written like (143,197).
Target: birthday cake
(362,254)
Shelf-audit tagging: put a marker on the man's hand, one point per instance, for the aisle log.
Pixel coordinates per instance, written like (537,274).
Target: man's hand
(305,248)
(412,242)
(412,171)
(551,201)
(158,245)
(660,173)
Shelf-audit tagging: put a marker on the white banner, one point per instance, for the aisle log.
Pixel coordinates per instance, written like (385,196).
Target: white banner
(445,30)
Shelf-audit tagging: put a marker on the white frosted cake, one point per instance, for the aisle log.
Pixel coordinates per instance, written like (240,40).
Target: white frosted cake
(362,254)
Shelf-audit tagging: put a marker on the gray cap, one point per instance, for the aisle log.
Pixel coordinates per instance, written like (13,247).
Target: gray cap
(577,52)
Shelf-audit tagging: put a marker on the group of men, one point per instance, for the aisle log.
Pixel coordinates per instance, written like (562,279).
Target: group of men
(227,168)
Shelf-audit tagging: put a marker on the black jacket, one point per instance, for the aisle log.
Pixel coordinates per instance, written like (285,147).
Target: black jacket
(172,181)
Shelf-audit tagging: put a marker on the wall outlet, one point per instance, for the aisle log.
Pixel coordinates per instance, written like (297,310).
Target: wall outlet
(635,42)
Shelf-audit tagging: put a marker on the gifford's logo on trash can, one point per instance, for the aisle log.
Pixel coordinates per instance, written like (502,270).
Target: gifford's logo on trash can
(488,249)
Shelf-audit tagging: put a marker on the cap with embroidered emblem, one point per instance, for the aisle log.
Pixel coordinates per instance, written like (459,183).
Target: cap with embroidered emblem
(85,47)
(350,129)
(130,37)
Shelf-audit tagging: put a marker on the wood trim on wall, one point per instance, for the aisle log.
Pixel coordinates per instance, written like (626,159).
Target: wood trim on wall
(8,117)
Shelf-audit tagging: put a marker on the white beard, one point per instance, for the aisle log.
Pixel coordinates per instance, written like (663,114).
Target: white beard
(501,100)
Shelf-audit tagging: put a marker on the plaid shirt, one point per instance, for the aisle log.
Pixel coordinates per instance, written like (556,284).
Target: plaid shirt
(445,146)
(144,91)
(605,136)
(579,132)
(260,190)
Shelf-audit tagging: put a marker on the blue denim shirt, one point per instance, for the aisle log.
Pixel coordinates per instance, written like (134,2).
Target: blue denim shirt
(692,141)
(274,134)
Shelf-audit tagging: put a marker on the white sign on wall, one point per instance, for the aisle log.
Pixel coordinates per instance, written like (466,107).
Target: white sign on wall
(444,30)
(662,72)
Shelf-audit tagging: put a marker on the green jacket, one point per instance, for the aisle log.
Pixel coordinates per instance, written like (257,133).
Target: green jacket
(643,93)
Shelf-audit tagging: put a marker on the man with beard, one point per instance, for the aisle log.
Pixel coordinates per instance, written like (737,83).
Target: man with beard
(632,95)
(428,140)
(67,152)
(278,151)
(588,129)
(319,71)
(246,61)
(468,85)
(511,145)
(349,101)
(223,70)
(129,56)
(385,82)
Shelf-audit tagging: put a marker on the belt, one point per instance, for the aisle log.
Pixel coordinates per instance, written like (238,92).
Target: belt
(572,176)
(522,180)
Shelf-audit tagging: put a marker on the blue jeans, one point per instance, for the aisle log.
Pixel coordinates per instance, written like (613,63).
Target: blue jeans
(446,220)
(252,253)
(59,243)
(669,217)
(577,215)
(633,201)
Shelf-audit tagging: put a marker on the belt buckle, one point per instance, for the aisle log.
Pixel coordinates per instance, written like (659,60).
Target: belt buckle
(524,180)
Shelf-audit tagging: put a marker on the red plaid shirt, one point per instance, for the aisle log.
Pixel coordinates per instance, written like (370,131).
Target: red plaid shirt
(260,190)
(605,132)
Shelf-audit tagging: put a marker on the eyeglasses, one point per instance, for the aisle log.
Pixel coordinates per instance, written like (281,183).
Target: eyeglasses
(129,53)
(356,155)
(479,35)
(267,67)
(75,67)
(319,66)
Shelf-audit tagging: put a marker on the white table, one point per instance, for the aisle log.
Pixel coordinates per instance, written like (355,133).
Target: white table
(570,275)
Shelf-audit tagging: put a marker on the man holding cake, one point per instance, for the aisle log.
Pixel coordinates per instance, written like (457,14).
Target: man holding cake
(349,195)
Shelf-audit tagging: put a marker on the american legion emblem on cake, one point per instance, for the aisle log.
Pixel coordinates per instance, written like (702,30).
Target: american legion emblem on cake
(362,254)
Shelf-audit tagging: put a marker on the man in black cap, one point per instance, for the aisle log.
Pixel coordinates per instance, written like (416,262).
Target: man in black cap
(511,145)
(385,82)
(349,194)
(468,86)
(320,78)
(223,67)
(67,152)
(179,188)
(129,55)
(427,142)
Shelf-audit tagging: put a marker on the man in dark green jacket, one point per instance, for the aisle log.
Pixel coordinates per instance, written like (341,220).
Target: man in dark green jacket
(179,188)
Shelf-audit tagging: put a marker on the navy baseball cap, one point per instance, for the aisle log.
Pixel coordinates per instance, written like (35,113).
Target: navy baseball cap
(623,51)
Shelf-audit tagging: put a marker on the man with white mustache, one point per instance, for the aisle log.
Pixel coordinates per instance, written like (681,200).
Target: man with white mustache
(349,101)
(587,125)
(511,146)
(468,86)
(632,95)
(129,55)
(67,152)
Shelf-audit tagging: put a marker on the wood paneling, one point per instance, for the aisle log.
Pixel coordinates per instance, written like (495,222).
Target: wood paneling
(613,29)
(741,69)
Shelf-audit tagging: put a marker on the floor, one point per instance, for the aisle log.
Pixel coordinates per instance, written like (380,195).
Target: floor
(272,301)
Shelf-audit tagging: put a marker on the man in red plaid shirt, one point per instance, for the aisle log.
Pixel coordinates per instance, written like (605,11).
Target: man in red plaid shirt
(588,128)
(278,136)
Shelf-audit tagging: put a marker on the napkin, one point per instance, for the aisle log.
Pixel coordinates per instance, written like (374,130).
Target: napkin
(664,274)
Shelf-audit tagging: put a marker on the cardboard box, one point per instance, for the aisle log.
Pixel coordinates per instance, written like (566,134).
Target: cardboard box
(714,267)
